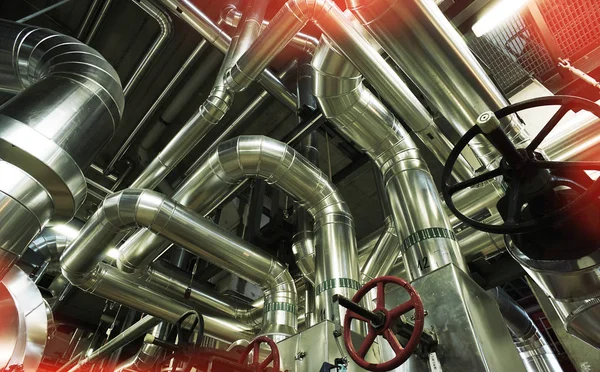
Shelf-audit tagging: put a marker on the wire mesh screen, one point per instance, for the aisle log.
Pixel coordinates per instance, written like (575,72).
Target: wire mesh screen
(515,50)
(574,23)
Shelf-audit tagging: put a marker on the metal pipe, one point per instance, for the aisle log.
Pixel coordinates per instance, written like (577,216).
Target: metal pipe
(533,348)
(85,23)
(351,41)
(419,38)
(131,208)
(261,157)
(184,94)
(148,354)
(428,241)
(42,11)
(50,246)
(129,335)
(212,110)
(96,25)
(190,14)
(250,109)
(181,73)
(166,32)
(66,88)
(303,42)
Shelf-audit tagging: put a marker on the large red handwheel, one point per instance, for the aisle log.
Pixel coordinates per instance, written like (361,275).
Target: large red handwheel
(255,346)
(384,329)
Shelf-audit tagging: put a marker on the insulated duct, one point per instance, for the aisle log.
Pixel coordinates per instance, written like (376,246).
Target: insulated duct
(533,349)
(428,241)
(68,105)
(51,247)
(261,157)
(421,40)
(350,38)
(212,110)
(132,208)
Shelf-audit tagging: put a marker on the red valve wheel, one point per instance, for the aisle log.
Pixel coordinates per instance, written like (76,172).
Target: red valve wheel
(255,346)
(402,353)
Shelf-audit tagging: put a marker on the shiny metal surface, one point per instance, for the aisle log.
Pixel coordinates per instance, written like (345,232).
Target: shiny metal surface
(574,138)
(27,208)
(535,352)
(261,157)
(166,32)
(51,136)
(131,208)
(472,336)
(580,318)
(565,280)
(427,239)
(24,325)
(193,16)
(306,43)
(51,246)
(419,38)
(320,346)
(212,110)
(129,335)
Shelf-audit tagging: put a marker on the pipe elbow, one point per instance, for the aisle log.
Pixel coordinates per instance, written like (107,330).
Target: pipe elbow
(307,10)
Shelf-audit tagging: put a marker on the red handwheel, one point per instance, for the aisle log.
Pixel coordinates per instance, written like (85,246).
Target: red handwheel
(255,346)
(385,321)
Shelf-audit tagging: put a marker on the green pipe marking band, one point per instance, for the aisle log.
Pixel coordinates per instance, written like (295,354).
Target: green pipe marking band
(337,283)
(426,234)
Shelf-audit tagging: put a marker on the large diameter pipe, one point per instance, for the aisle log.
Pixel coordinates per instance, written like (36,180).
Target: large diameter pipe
(68,108)
(212,110)
(421,40)
(427,239)
(261,157)
(131,208)
(351,41)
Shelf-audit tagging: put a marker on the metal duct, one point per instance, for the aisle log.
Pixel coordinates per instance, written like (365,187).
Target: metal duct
(303,42)
(428,241)
(533,348)
(137,208)
(146,357)
(27,206)
(51,247)
(419,38)
(261,157)
(190,14)
(211,112)
(350,39)
(69,105)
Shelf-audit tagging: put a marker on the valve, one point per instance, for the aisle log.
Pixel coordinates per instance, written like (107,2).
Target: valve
(531,179)
(380,322)
(255,347)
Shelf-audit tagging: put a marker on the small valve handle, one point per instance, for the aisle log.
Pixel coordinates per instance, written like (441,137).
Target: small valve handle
(380,322)
(255,347)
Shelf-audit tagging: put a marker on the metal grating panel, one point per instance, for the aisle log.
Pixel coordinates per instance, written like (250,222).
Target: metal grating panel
(513,51)
(574,23)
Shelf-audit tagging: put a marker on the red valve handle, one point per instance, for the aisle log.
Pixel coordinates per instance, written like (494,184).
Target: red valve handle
(272,357)
(402,353)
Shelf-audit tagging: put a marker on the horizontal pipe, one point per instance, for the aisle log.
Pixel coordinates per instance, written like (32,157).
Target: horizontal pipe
(131,208)
(236,160)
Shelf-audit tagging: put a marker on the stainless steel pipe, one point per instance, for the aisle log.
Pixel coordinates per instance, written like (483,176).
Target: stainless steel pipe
(419,38)
(68,108)
(261,157)
(212,110)
(132,208)
(428,241)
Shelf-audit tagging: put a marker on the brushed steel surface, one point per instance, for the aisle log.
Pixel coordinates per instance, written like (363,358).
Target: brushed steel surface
(423,42)
(261,157)
(69,104)
(24,325)
(131,208)
(320,346)
(580,318)
(472,335)
(415,204)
